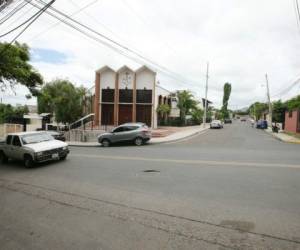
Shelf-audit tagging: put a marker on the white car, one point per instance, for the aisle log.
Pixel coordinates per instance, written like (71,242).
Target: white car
(216,124)
(32,147)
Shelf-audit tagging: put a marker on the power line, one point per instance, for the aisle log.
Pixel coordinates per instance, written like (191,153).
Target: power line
(297,12)
(57,23)
(111,43)
(146,23)
(13,12)
(20,25)
(36,16)
(288,89)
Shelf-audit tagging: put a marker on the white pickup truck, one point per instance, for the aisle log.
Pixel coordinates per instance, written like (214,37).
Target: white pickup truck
(32,147)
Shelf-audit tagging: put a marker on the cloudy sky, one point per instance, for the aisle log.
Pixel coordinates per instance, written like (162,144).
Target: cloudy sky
(242,40)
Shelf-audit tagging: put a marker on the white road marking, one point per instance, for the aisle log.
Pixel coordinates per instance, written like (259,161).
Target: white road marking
(190,162)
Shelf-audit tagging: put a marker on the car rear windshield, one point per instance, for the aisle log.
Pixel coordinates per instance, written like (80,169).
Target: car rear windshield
(35,138)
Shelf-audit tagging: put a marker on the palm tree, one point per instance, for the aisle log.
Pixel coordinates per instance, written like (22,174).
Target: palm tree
(164,110)
(186,103)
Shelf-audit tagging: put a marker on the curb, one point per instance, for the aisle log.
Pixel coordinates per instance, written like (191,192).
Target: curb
(181,139)
(280,139)
(150,143)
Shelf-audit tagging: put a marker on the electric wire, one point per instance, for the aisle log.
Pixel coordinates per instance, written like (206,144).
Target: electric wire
(13,12)
(109,42)
(23,23)
(36,16)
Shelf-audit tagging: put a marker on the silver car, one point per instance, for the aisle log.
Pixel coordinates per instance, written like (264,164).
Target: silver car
(138,133)
(216,124)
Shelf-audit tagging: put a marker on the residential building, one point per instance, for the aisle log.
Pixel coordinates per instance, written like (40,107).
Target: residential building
(292,121)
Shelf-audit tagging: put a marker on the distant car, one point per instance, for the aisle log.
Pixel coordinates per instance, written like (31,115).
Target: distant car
(216,124)
(243,119)
(57,135)
(138,133)
(227,120)
(262,124)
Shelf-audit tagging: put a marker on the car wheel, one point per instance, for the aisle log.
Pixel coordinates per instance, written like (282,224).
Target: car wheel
(138,141)
(105,143)
(28,161)
(3,157)
(63,157)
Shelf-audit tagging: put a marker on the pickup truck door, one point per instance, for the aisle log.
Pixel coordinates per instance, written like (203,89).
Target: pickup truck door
(7,146)
(16,150)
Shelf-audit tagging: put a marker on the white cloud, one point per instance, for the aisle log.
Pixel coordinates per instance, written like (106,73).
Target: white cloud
(242,40)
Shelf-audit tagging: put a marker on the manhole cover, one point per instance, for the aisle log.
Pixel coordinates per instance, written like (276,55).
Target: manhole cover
(151,171)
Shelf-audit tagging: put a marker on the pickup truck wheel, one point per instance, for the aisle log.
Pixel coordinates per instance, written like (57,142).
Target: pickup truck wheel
(105,143)
(63,157)
(3,157)
(138,141)
(28,161)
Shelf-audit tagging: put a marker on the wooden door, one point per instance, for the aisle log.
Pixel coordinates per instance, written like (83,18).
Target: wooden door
(107,114)
(144,114)
(125,113)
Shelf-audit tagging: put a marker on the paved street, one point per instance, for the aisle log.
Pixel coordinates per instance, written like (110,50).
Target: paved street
(235,188)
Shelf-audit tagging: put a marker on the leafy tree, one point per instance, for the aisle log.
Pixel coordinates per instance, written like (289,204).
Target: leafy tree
(186,103)
(197,115)
(226,95)
(63,99)
(293,103)
(257,109)
(15,69)
(164,110)
(7,111)
(279,109)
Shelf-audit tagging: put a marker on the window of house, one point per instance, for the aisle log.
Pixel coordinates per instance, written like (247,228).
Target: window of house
(108,95)
(144,96)
(125,95)
(290,114)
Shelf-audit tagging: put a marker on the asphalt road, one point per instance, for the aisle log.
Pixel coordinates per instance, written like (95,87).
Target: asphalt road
(235,188)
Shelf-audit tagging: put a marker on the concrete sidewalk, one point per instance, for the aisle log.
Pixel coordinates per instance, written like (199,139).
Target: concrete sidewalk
(177,136)
(283,136)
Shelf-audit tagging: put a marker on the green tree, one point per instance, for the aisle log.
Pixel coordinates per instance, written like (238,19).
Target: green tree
(279,109)
(293,103)
(226,95)
(197,115)
(63,99)
(15,69)
(164,110)
(7,111)
(186,103)
(257,109)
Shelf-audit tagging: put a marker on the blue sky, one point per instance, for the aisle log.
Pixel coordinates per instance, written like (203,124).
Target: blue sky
(47,56)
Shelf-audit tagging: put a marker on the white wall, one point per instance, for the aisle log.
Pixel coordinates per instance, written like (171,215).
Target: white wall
(158,91)
(107,79)
(145,79)
(122,76)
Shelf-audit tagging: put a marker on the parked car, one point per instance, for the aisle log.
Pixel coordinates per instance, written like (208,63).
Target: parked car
(216,124)
(32,147)
(227,120)
(57,135)
(138,133)
(262,124)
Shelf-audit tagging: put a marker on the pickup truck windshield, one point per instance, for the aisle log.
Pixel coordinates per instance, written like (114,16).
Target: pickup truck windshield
(35,138)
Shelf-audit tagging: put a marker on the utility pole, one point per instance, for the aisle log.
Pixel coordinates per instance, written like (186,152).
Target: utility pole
(269,100)
(206,88)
